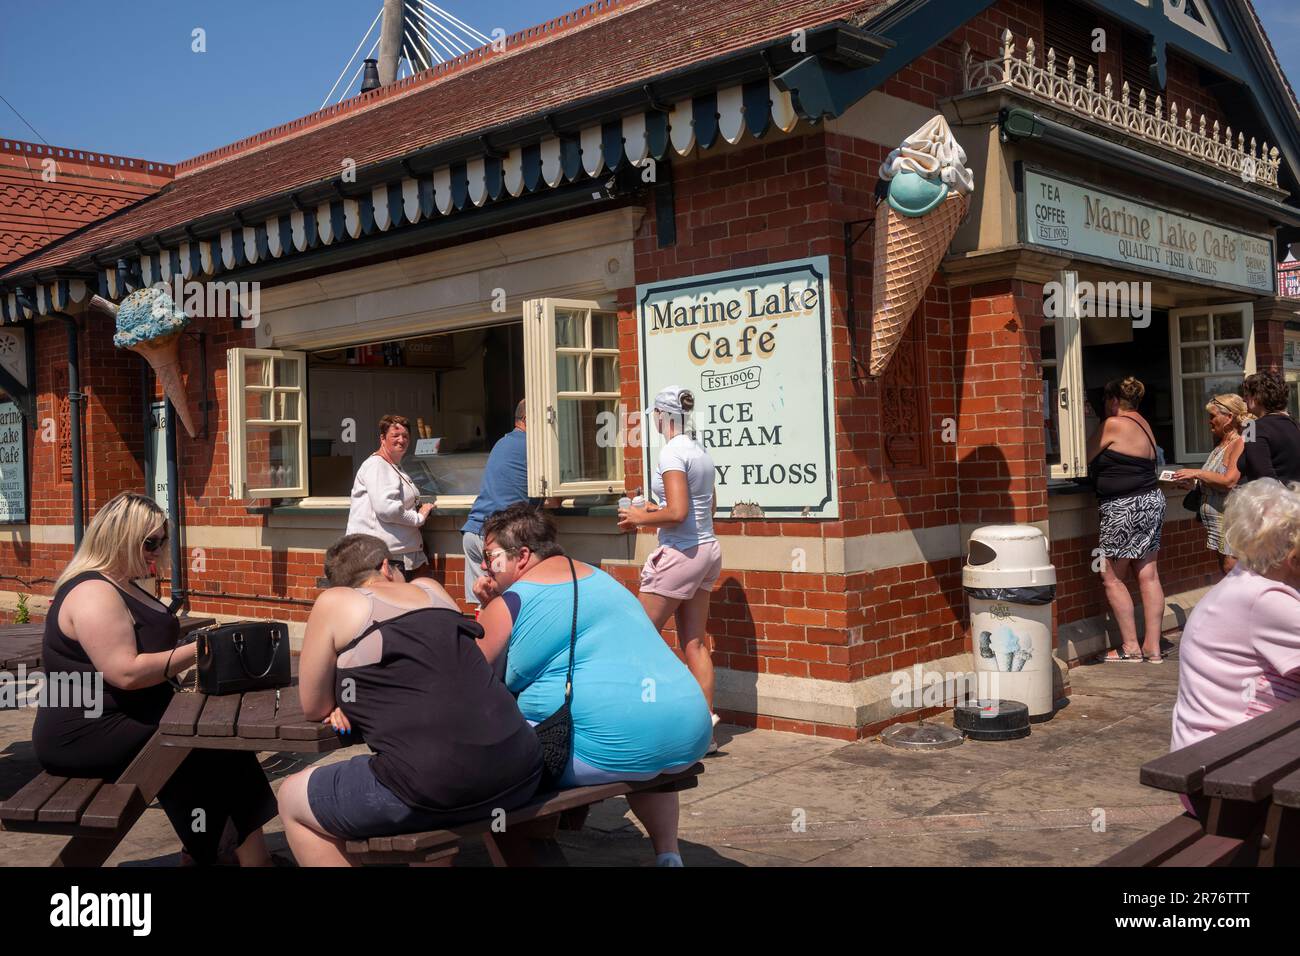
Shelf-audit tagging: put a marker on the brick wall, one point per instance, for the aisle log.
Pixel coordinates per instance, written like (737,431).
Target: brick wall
(970,360)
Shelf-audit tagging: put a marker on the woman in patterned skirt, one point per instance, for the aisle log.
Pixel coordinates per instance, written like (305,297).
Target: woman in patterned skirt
(1122,465)
(1228,416)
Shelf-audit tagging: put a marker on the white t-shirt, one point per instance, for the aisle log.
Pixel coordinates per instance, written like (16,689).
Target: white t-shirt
(684,454)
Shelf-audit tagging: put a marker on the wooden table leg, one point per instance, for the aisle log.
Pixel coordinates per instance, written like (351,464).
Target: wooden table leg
(1280,843)
(152,767)
(528,844)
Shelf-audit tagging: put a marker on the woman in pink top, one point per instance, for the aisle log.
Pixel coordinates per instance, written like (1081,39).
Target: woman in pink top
(1240,652)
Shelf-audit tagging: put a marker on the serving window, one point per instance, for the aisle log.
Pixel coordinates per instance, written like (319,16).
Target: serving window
(1183,357)
(302,423)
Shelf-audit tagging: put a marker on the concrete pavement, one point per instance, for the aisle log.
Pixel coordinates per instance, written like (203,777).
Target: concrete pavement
(1068,794)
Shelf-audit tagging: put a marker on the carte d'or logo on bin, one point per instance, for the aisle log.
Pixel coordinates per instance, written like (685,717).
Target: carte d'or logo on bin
(1000,611)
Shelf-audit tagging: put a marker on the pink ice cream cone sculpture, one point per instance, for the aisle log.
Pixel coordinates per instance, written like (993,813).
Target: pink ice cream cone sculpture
(929,193)
(149,322)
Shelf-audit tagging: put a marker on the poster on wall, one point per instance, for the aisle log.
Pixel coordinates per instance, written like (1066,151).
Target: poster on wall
(158,451)
(13,465)
(754,345)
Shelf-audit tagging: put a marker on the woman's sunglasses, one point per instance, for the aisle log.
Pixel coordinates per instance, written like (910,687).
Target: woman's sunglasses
(154,544)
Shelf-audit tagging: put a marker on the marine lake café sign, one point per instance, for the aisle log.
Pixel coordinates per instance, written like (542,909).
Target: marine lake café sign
(754,347)
(1090,223)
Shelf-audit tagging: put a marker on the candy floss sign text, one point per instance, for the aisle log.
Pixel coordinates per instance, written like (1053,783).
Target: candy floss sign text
(754,346)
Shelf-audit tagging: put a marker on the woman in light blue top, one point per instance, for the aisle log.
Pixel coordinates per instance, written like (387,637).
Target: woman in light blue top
(637,711)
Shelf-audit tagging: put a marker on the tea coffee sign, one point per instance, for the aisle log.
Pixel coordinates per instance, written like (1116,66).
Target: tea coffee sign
(754,347)
(1076,218)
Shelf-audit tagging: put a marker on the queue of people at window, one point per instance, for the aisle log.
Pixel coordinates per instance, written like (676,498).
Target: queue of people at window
(1122,464)
(1239,653)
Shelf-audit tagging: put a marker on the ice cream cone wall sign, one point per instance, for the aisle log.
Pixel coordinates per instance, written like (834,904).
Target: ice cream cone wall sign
(929,193)
(149,322)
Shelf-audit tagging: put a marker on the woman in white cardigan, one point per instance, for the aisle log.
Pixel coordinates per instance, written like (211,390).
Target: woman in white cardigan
(384,500)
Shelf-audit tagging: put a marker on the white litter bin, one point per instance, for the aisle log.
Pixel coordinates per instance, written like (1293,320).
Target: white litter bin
(1010,585)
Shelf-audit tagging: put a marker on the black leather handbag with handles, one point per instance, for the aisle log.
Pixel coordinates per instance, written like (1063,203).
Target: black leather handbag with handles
(241,657)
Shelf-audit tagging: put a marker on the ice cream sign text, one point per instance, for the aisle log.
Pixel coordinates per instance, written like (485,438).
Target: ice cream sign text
(1065,215)
(754,346)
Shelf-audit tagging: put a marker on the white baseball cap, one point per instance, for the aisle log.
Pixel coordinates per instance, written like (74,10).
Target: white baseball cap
(670,400)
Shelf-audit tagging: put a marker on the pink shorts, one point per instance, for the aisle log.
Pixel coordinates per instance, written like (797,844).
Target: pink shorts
(680,574)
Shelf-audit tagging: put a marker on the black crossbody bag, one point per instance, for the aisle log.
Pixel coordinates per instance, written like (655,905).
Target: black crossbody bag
(556,732)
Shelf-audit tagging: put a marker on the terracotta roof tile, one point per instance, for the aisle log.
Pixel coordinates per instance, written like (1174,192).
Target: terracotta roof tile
(86,187)
(636,42)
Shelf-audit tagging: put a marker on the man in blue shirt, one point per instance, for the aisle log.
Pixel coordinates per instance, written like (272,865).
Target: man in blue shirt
(505,481)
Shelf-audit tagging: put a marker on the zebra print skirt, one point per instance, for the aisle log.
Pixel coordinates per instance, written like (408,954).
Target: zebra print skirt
(1130,527)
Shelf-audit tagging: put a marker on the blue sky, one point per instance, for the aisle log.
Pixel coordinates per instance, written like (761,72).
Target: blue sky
(119,76)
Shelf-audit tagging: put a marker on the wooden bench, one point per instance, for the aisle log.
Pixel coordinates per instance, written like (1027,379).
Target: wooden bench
(94,814)
(1245,786)
(524,837)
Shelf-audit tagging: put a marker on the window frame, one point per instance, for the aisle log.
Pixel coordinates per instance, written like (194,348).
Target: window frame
(1177,377)
(1069,384)
(541,355)
(238,422)
(1291,371)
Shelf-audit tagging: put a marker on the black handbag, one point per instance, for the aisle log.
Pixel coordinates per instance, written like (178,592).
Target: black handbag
(1192,500)
(241,657)
(556,732)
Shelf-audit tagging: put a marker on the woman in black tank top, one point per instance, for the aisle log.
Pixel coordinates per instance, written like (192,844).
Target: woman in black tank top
(1131,515)
(120,644)
(399,663)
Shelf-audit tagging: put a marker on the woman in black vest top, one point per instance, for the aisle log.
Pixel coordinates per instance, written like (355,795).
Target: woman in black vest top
(399,663)
(105,628)
(1131,513)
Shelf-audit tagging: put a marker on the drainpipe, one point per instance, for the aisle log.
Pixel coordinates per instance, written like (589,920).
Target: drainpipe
(174,510)
(75,399)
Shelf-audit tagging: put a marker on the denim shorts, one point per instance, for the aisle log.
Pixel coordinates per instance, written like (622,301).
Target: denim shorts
(348,801)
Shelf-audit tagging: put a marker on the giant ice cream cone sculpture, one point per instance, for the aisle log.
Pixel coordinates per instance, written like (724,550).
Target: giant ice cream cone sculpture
(929,192)
(148,322)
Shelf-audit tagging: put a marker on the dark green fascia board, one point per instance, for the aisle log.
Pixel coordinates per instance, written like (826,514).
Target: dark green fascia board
(1022,124)
(1244,62)
(826,89)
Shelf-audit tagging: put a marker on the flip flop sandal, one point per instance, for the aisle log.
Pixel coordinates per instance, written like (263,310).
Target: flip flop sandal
(1154,659)
(1122,658)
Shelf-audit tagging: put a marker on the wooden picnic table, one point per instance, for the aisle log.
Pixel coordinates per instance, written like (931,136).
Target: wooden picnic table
(20,644)
(261,720)
(97,814)
(1245,786)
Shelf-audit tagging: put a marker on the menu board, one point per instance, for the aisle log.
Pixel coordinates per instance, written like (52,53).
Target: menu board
(13,465)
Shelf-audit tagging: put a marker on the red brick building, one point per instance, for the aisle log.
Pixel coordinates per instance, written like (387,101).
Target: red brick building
(508,223)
